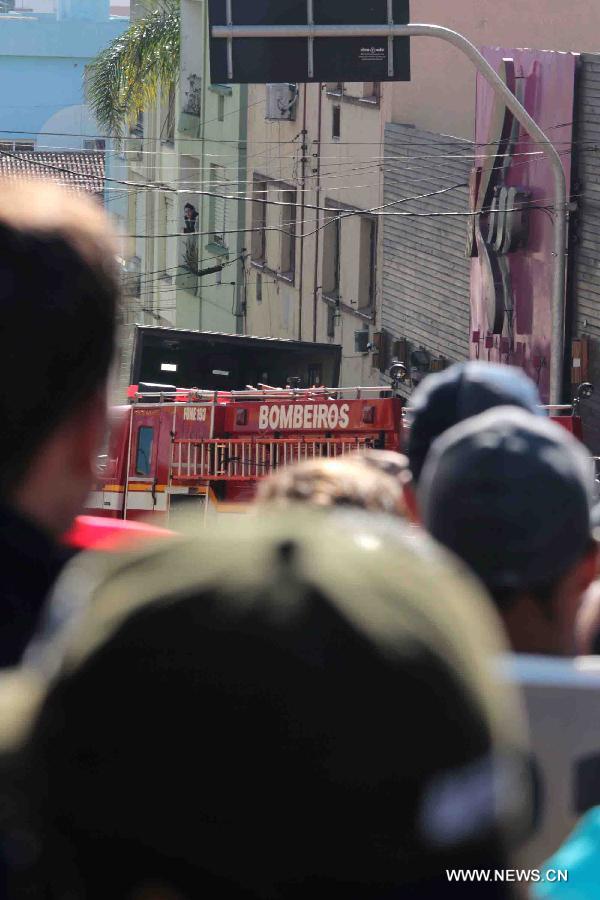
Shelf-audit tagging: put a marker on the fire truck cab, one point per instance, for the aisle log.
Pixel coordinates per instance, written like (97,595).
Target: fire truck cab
(173,447)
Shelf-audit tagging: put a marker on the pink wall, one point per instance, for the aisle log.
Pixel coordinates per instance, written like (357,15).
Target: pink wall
(441,95)
(545,83)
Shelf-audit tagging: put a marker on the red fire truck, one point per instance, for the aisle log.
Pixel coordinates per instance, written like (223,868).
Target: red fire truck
(171,448)
(183,447)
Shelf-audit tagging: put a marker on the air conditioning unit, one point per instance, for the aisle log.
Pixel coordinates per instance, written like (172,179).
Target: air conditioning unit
(282,100)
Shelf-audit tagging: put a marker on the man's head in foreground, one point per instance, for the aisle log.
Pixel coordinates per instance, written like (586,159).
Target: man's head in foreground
(288,707)
(510,494)
(460,392)
(58,304)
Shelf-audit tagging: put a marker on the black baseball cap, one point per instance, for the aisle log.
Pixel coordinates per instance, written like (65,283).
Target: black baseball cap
(511,495)
(282,707)
(464,390)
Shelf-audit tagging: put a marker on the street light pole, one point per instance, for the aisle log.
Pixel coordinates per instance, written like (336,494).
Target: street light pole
(390,31)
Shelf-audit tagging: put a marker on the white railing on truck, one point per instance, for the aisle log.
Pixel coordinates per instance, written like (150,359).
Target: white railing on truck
(248,460)
(195,395)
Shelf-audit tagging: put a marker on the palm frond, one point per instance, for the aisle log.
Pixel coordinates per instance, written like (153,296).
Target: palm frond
(127,76)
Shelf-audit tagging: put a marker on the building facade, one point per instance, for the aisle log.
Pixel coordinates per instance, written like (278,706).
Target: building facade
(357,148)
(175,186)
(316,175)
(43,54)
(345,190)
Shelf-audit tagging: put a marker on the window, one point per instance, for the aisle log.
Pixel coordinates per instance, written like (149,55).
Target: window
(190,218)
(315,375)
(363,92)
(137,129)
(336,123)
(330,322)
(367,262)
(192,96)
(349,258)
(143,459)
(259,221)
(331,256)
(218,207)
(132,224)
(94,144)
(17,146)
(288,232)
(274,227)
(161,242)
(220,108)
(259,288)
(167,132)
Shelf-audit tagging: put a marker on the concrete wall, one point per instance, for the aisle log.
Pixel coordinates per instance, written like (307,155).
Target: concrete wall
(345,172)
(441,95)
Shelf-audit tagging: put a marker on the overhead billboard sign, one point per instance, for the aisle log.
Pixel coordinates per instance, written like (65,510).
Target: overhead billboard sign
(269,59)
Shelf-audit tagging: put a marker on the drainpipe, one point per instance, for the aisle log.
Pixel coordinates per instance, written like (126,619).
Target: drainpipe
(302,206)
(317,216)
(241,288)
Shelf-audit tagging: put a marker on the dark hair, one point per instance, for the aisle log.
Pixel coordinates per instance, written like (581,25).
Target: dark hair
(58,303)
(327,483)
(542,592)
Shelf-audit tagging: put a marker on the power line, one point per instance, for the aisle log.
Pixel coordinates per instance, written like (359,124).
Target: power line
(160,186)
(450,139)
(145,278)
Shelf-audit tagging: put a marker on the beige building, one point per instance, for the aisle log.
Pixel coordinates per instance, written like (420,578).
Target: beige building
(312,272)
(322,149)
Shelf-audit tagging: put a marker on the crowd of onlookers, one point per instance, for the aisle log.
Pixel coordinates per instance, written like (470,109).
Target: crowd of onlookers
(303,703)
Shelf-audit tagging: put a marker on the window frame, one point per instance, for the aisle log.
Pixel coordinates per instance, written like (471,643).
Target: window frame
(262,261)
(333,293)
(367,311)
(167,131)
(338,92)
(336,122)
(258,237)
(139,449)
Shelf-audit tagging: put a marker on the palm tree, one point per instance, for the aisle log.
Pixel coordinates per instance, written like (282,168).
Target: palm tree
(127,76)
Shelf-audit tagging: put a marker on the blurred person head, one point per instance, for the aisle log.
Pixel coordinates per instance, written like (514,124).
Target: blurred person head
(369,481)
(446,398)
(388,461)
(302,707)
(510,494)
(58,305)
